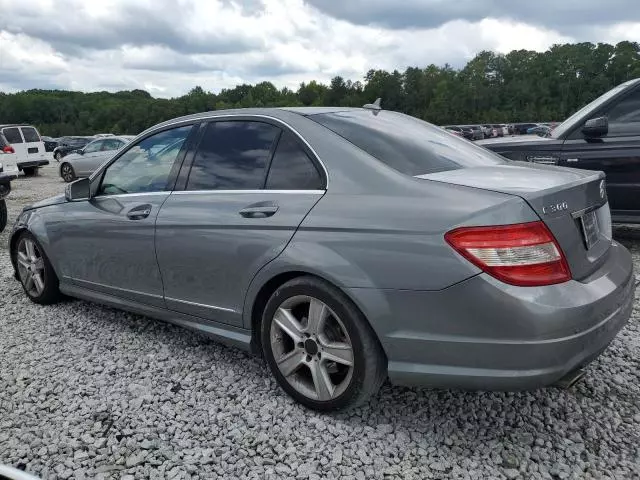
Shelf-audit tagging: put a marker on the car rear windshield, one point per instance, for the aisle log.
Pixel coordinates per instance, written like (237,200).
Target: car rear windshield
(409,145)
(30,134)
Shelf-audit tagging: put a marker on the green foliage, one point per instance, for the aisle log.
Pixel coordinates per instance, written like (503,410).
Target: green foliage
(519,86)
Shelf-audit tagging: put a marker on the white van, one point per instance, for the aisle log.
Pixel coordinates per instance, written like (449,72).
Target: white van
(24,151)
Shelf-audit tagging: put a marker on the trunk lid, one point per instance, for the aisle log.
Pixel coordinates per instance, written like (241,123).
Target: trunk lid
(571,202)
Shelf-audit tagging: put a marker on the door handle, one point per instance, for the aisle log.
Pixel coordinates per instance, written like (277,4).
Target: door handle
(259,211)
(139,213)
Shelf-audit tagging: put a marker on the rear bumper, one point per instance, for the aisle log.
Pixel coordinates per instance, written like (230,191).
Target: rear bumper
(32,163)
(482,334)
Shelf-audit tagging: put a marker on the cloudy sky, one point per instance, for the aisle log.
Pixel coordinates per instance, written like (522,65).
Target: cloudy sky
(168,46)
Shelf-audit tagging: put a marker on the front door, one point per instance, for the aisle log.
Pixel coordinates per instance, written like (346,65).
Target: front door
(232,218)
(83,162)
(110,245)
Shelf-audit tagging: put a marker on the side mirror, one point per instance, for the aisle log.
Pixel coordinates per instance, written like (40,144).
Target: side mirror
(596,127)
(78,190)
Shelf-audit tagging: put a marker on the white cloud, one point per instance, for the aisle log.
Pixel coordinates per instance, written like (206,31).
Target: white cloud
(169,46)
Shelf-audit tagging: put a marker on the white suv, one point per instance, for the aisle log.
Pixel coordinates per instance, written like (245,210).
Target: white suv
(24,150)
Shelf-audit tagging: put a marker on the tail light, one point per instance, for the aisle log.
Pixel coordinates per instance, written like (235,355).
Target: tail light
(8,149)
(523,254)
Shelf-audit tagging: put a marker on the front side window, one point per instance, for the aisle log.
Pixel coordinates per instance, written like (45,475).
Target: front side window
(291,168)
(406,144)
(12,134)
(232,155)
(624,117)
(111,144)
(30,134)
(146,166)
(93,147)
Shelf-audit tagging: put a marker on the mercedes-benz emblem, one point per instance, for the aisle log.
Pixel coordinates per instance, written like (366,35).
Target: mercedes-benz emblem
(602,190)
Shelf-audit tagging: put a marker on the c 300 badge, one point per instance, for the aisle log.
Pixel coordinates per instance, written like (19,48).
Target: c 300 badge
(558,207)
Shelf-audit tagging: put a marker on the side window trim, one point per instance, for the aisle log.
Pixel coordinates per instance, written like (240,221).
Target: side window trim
(97,177)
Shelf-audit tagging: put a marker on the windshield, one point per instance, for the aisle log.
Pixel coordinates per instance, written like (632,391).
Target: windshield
(402,142)
(569,123)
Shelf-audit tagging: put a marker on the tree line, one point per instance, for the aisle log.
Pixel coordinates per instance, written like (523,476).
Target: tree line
(522,85)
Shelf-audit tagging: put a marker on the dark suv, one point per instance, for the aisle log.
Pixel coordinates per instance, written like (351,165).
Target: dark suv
(604,135)
(66,145)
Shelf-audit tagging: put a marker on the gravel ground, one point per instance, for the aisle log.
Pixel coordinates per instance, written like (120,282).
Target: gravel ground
(91,392)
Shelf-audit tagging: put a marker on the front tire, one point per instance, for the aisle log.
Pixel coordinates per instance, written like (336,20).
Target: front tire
(3,214)
(67,173)
(319,346)
(35,272)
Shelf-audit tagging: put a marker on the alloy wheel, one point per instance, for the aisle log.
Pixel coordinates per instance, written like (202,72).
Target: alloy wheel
(31,267)
(312,348)
(67,172)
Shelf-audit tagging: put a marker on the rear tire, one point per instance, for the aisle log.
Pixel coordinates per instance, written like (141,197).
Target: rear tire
(334,362)
(30,171)
(34,270)
(67,173)
(57,156)
(3,214)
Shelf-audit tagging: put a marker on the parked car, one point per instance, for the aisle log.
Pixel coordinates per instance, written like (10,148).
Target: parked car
(339,244)
(499,130)
(490,131)
(604,135)
(541,130)
(5,189)
(465,132)
(521,128)
(476,131)
(66,145)
(456,132)
(49,143)
(23,150)
(85,161)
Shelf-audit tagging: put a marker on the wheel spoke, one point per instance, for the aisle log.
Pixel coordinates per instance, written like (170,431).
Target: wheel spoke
(288,324)
(291,361)
(321,381)
(37,280)
(318,313)
(23,260)
(30,248)
(338,352)
(28,280)
(38,264)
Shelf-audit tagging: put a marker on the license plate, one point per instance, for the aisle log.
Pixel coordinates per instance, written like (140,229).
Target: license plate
(32,150)
(590,229)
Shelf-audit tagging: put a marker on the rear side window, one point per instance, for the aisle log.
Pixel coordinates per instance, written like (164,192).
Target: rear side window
(408,145)
(30,134)
(291,167)
(232,156)
(111,144)
(12,135)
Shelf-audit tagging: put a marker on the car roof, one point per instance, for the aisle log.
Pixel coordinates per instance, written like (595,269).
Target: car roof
(16,125)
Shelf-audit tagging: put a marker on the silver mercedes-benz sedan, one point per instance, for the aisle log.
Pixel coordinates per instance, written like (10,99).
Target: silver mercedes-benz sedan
(345,245)
(85,161)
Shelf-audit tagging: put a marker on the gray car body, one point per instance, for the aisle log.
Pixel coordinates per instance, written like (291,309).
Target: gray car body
(376,234)
(84,164)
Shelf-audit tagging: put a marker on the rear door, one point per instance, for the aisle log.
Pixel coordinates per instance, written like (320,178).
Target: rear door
(14,137)
(33,144)
(250,185)
(617,155)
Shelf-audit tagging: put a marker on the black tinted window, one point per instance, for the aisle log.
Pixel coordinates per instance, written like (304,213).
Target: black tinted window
(30,134)
(232,156)
(291,168)
(12,135)
(405,143)
(624,117)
